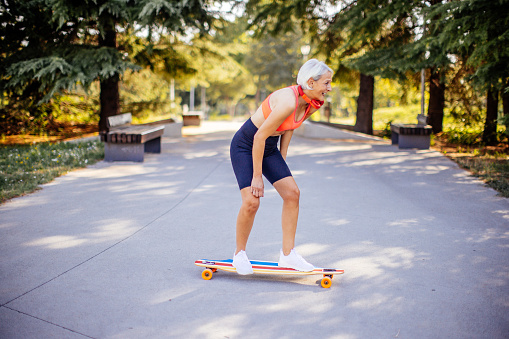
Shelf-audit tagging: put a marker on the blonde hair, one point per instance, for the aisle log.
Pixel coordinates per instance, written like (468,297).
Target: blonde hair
(311,69)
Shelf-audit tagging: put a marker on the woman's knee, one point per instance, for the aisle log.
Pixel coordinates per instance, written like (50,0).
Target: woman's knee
(292,194)
(288,189)
(250,204)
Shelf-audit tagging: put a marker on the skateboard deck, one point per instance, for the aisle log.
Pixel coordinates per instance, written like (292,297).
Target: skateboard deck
(265,267)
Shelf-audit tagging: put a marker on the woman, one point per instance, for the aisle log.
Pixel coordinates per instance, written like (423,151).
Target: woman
(254,152)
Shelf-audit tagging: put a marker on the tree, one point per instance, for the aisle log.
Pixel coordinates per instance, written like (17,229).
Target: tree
(219,63)
(78,43)
(436,100)
(476,32)
(368,36)
(347,37)
(364,121)
(273,61)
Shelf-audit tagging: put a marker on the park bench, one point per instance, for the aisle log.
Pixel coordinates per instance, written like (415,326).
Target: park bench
(126,142)
(411,135)
(192,118)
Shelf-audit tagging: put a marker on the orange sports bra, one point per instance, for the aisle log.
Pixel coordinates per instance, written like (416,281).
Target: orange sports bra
(290,122)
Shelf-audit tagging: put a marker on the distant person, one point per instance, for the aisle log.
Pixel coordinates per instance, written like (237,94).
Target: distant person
(254,152)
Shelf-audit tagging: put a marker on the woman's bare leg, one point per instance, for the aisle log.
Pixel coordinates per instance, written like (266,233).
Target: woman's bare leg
(245,218)
(289,191)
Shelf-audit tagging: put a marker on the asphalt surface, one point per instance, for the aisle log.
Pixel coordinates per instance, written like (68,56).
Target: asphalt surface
(109,251)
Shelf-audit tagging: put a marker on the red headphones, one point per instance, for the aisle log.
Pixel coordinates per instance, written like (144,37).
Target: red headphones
(315,103)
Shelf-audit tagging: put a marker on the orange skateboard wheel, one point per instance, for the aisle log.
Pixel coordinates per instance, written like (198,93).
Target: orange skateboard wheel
(207,274)
(326,282)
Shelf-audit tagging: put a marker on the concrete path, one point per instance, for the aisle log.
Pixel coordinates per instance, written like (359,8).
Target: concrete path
(108,251)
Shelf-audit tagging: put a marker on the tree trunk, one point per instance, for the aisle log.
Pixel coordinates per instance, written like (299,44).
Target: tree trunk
(436,101)
(489,135)
(505,102)
(109,97)
(364,120)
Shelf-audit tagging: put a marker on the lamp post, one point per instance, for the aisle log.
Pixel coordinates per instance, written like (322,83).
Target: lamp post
(305,52)
(328,108)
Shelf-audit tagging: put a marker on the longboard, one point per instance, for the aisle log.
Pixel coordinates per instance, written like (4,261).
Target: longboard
(265,267)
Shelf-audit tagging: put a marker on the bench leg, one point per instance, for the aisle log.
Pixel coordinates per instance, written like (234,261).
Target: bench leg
(123,152)
(153,146)
(394,138)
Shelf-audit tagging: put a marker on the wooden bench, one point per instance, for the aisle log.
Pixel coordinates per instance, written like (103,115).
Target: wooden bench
(411,135)
(192,118)
(126,142)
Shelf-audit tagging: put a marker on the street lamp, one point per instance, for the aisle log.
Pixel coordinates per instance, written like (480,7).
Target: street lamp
(305,51)
(328,108)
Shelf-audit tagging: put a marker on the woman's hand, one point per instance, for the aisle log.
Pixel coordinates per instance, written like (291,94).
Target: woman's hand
(257,186)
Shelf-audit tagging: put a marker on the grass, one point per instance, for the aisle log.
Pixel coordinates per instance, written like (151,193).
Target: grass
(493,171)
(23,168)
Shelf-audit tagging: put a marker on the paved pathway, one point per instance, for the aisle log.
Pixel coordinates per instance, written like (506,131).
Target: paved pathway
(108,251)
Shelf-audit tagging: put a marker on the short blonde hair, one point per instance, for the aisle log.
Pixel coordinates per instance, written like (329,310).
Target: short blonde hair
(311,69)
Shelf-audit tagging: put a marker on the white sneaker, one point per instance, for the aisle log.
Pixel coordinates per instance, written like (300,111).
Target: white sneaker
(295,261)
(242,263)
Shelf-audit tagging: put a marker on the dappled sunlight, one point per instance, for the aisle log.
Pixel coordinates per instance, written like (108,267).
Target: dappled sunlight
(503,213)
(310,249)
(231,324)
(466,178)
(161,187)
(195,155)
(205,188)
(292,301)
(207,127)
(30,201)
(407,223)
(378,301)
(7,225)
(377,262)
(396,158)
(57,242)
(418,169)
(431,169)
(337,222)
(373,159)
(298,173)
(115,171)
(489,234)
(113,230)
(314,151)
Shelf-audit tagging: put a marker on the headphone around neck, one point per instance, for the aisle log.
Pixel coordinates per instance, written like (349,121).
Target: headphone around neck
(313,102)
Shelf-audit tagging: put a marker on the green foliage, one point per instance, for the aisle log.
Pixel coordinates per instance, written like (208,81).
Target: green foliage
(28,117)
(493,170)
(76,66)
(146,96)
(24,168)
(477,31)
(274,61)
(52,46)
(462,136)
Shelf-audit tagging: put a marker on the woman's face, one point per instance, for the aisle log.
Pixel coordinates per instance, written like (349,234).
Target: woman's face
(320,87)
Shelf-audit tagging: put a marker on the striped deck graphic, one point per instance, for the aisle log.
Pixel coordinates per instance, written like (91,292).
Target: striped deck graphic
(264,267)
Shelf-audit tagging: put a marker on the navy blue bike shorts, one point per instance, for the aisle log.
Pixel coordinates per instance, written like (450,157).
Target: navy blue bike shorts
(274,167)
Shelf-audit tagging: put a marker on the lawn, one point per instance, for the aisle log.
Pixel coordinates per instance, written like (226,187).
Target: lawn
(23,168)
